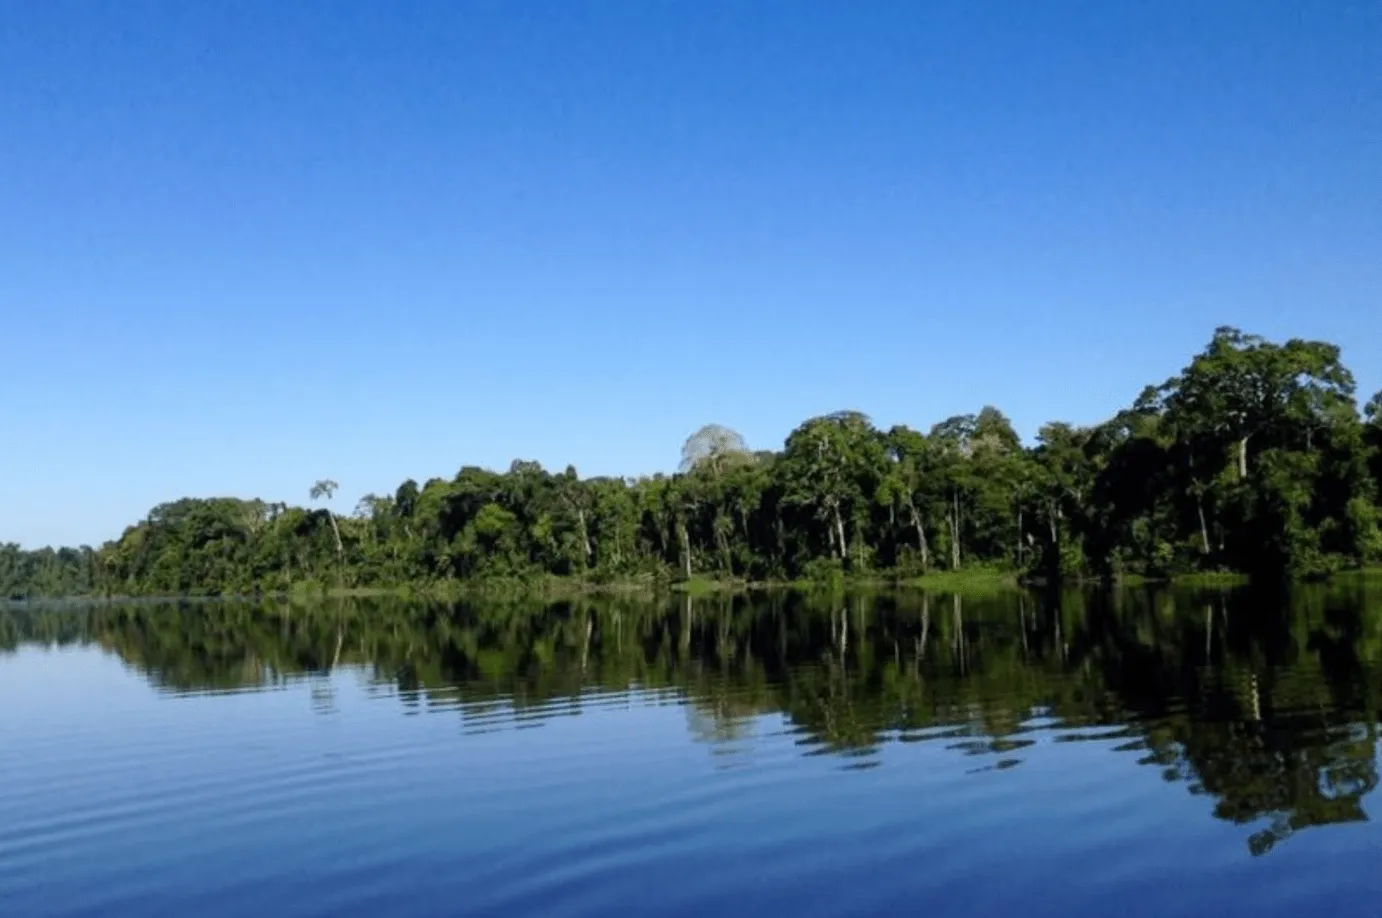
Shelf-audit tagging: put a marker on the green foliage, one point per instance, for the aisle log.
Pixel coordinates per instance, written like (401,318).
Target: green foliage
(1253,459)
(46,572)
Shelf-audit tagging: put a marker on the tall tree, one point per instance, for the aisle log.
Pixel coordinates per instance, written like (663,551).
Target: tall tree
(1243,388)
(830,464)
(326,489)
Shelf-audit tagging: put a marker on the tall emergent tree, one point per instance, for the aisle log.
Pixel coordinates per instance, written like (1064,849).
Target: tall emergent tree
(326,488)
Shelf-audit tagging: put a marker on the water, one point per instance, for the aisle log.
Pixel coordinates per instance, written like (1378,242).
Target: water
(1136,753)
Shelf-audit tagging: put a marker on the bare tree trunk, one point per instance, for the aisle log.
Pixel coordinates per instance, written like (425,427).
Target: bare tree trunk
(840,530)
(585,536)
(955,531)
(685,548)
(340,549)
(921,541)
(1243,459)
(921,535)
(1204,527)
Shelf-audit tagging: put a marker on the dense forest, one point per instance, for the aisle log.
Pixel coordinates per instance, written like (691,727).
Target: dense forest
(1254,458)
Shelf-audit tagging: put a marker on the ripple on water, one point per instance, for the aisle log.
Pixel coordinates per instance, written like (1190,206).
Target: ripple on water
(834,787)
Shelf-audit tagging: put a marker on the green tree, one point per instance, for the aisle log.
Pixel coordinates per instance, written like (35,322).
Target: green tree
(831,466)
(326,488)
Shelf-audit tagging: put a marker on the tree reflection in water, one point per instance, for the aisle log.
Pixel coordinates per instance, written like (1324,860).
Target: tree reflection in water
(1266,703)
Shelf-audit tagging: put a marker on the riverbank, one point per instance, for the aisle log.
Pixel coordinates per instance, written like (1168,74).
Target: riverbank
(551,588)
(557,588)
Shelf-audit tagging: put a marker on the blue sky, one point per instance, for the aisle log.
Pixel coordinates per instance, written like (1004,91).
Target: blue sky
(247,245)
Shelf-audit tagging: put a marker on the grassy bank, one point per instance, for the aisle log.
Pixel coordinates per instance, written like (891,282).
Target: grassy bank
(547,587)
(1211,579)
(564,587)
(985,580)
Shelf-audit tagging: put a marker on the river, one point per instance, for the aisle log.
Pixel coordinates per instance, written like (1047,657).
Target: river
(1148,752)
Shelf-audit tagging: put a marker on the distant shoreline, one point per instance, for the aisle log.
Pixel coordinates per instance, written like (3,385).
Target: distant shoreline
(554,589)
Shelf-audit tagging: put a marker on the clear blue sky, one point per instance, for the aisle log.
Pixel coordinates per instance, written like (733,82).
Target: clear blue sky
(247,245)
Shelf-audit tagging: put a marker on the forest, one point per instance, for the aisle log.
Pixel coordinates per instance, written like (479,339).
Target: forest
(1255,458)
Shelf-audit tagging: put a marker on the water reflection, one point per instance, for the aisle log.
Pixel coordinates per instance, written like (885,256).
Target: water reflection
(1267,704)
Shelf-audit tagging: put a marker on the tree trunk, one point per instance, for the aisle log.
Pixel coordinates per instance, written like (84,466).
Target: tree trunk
(685,548)
(955,531)
(921,536)
(1243,459)
(585,536)
(340,549)
(1204,527)
(840,531)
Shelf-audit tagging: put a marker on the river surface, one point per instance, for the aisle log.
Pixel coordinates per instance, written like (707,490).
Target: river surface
(1153,753)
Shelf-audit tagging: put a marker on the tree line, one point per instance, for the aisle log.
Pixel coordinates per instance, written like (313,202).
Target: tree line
(1254,458)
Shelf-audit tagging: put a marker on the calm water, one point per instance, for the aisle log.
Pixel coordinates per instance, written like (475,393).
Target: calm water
(1138,753)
